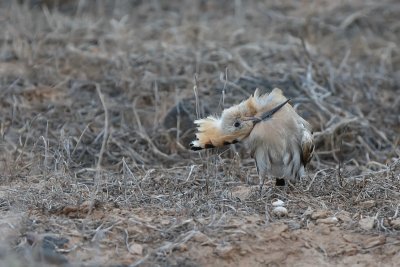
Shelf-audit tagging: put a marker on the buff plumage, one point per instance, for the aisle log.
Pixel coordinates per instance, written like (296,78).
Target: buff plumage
(281,144)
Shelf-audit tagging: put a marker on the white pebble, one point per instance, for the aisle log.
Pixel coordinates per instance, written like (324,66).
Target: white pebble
(278,203)
(280,211)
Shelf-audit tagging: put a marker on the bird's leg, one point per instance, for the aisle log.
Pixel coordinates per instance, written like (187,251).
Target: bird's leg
(261,177)
(262,180)
(282,184)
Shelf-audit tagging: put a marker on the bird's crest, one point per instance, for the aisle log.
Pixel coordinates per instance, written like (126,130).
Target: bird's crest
(210,133)
(209,130)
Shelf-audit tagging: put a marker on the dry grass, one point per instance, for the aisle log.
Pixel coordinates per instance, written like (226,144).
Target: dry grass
(85,154)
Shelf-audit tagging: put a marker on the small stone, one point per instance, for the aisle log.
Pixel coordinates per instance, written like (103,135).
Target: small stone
(243,252)
(329,220)
(244,249)
(320,214)
(224,251)
(367,223)
(280,211)
(136,249)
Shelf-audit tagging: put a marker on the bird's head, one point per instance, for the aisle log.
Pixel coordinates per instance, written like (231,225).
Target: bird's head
(233,126)
(237,122)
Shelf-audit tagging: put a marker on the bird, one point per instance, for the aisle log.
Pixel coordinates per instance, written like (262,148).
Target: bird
(279,140)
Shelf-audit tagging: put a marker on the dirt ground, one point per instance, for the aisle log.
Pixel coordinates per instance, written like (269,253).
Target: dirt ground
(97,101)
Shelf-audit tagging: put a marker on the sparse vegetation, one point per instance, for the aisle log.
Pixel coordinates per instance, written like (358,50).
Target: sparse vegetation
(96,105)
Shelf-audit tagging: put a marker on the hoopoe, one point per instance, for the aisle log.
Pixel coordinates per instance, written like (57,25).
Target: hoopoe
(279,139)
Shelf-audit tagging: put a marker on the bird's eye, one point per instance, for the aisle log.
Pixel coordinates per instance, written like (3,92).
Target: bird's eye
(237,124)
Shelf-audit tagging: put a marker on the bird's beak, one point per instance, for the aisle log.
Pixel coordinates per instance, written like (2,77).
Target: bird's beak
(255,120)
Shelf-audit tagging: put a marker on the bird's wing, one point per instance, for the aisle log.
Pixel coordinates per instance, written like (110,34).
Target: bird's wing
(307,145)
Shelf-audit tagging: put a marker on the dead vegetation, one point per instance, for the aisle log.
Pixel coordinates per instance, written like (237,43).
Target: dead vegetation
(96,105)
